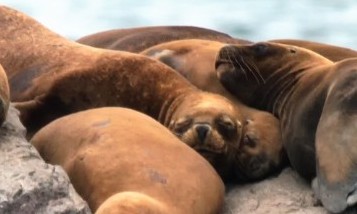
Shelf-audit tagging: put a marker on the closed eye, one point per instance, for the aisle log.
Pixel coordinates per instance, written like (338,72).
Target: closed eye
(226,127)
(260,49)
(181,126)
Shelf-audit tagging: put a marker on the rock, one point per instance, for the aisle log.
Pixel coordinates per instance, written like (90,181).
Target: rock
(285,194)
(27,183)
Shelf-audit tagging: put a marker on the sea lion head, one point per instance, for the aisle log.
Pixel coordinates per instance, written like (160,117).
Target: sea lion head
(246,70)
(210,124)
(261,151)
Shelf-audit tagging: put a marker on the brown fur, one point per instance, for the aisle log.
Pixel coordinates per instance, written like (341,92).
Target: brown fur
(4,95)
(51,76)
(331,52)
(315,100)
(139,39)
(261,151)
(110,159)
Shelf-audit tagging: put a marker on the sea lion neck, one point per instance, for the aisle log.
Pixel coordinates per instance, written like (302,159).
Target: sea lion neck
(281,84)
(169,107)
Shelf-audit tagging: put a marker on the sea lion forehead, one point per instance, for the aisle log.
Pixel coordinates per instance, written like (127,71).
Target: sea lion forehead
(215,102)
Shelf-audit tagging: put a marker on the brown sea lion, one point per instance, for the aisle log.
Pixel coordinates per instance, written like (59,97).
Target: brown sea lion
(141,38)
(51,76)
(261,152)
(316,102)
(4,95)
(131,163)
(331,52)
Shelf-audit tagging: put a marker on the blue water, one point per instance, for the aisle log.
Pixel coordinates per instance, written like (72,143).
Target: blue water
(330,21)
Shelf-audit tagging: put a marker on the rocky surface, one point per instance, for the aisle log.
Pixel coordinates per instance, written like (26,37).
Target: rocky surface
(285,194)
(27,183)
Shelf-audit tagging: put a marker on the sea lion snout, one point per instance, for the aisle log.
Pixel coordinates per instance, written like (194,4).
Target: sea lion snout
(202,131)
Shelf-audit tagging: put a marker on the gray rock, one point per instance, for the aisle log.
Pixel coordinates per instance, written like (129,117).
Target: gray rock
(285,194)
(27,183)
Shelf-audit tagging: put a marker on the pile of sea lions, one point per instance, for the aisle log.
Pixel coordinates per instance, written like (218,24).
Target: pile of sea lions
(156,119)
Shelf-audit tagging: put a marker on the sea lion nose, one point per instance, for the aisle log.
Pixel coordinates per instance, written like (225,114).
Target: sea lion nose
(202,131)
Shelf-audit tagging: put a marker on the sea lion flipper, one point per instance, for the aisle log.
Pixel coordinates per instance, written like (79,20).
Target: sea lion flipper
(29,112)
(25,108)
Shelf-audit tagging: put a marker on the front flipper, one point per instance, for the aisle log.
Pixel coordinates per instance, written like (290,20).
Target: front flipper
(336,147)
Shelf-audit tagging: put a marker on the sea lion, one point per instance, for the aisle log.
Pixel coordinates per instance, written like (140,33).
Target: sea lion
(4,95)
(129,163)
(138,39)
(261,152)
(331,52)
(51,76)
(316,102)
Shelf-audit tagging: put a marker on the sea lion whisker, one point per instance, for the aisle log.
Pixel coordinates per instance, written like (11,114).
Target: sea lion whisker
(256,69)
(236,62)
(249,68)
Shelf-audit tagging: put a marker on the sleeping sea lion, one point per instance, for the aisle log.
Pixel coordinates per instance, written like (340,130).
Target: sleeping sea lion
(51,76)
(123,161)
(316,102)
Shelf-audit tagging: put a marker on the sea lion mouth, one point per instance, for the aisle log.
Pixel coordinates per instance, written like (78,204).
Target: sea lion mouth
(252,167)
(220,61)
(211,151)
(231,59)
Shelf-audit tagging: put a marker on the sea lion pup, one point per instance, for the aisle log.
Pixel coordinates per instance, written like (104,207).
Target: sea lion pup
(331,52)
(316,102)
(261,152)
(130,162)
(141,38)
(51,76)
(4,95)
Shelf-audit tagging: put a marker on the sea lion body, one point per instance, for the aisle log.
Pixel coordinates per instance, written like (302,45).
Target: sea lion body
(113,163)
(138,39)
(261,152)
(331,52)
(51,76)
(315,100)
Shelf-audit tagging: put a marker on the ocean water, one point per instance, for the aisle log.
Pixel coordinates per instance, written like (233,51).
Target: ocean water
(330,21)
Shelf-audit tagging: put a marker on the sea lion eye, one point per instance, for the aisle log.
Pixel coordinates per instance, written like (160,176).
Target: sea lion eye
(226,126)
(260,49)
(182,125)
